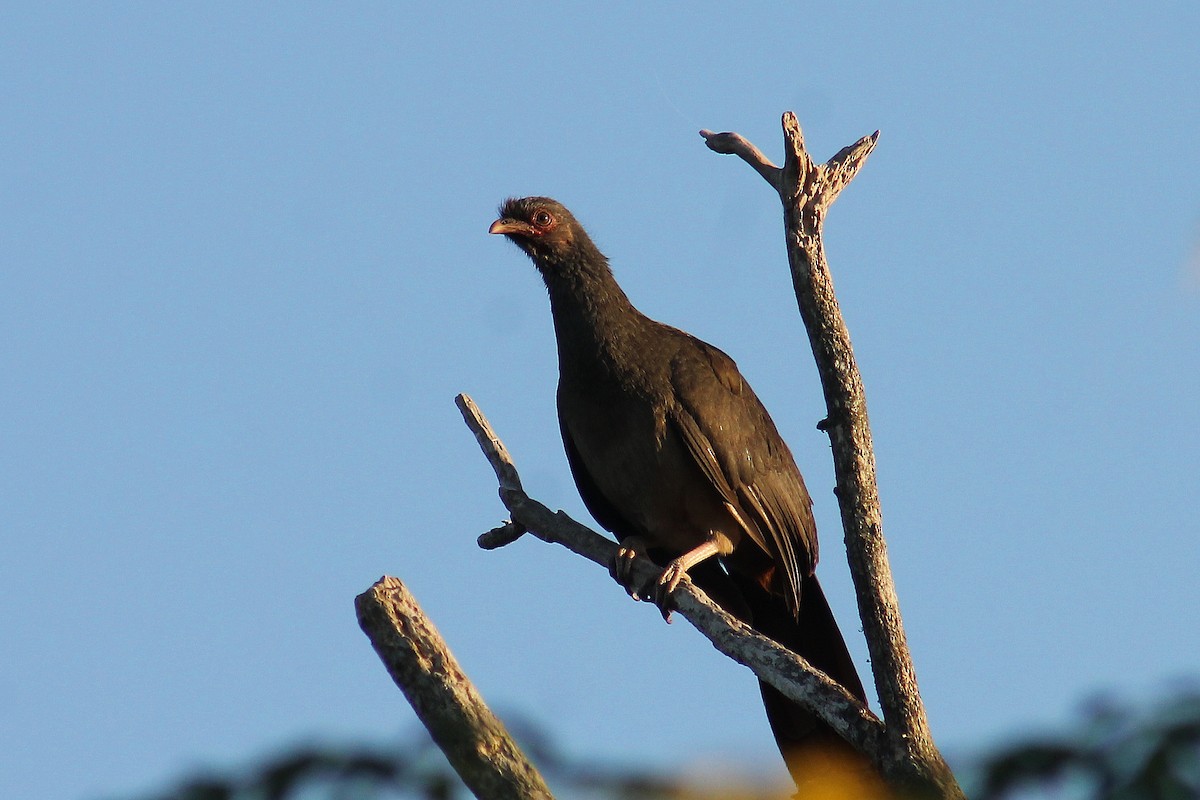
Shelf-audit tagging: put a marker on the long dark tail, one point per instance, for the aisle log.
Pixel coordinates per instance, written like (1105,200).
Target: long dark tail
(821,763)
(815,755)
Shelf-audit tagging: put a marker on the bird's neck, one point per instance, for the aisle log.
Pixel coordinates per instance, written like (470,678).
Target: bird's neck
(593,317)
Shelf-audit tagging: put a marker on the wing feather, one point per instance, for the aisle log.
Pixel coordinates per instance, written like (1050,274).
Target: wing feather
(733,440)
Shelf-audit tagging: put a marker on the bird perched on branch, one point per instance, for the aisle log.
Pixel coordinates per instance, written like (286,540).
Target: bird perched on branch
(672,451)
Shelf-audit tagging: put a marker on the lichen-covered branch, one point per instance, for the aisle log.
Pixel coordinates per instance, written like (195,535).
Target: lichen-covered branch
(806,190)
(786,671)
(475,742)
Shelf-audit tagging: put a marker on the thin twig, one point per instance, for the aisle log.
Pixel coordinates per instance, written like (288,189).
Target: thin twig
(734,144)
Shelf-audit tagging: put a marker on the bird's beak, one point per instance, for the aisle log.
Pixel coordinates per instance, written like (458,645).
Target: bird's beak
(508,226)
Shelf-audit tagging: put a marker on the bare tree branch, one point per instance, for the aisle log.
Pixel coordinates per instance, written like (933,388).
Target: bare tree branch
(783,669)
(807,190)
(734,144)
(475,742)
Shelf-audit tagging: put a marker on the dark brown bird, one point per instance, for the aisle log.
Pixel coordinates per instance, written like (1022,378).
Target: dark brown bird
(673,453)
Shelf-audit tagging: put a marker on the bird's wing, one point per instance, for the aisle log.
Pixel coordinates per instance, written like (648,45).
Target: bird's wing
(736,445)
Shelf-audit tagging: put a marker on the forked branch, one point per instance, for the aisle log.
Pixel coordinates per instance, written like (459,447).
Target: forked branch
(806,190)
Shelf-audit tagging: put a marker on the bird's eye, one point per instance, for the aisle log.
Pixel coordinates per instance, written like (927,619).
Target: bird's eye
(542,219)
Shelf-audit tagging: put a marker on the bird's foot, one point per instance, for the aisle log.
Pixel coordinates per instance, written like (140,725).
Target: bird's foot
(678,568)
(657,590)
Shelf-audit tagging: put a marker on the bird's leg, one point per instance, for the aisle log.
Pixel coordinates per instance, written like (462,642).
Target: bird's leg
(621,568)
(673,574)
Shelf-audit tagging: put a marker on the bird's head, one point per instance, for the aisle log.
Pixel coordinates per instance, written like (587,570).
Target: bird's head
(542,227)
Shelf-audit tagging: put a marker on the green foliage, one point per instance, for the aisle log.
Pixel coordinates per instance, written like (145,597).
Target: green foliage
(416,770)
(1116,753)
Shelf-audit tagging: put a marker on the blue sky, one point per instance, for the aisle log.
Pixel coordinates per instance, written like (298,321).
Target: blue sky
(245,270)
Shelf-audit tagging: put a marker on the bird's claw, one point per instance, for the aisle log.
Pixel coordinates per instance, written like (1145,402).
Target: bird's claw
(621,570)
(666,584)
(656,590)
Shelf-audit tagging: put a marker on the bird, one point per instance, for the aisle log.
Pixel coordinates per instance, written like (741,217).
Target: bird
(672,452)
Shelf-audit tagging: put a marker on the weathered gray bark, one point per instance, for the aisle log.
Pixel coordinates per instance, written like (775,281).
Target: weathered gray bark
(475,742)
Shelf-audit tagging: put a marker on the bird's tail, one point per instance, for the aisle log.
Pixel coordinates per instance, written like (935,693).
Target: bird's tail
(822,764)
